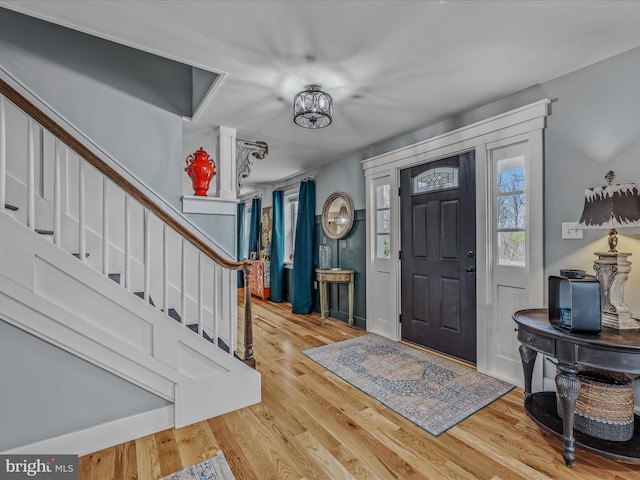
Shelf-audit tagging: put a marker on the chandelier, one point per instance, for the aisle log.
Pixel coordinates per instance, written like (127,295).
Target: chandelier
(312,108)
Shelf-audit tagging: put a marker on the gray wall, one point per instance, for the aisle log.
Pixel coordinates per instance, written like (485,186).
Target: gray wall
(48,392)
(593,128)
(344,176)
(70,75)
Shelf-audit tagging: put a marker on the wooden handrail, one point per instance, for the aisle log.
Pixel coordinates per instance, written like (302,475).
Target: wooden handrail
(85,153)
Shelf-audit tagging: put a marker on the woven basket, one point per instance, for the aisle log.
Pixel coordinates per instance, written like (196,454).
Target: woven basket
(604,408)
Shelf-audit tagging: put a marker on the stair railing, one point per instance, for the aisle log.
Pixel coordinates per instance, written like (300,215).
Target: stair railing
(51,203)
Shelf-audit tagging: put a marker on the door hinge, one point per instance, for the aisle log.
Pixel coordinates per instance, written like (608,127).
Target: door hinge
(400,318)
(399,254)
(398,191)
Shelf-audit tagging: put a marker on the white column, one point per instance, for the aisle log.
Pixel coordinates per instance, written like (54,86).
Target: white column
(226,162)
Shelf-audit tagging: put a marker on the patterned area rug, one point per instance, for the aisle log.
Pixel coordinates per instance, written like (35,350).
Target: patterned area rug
(432,392)
(215,468)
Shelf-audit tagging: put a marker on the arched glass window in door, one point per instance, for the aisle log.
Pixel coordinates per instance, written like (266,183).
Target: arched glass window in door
(434,179)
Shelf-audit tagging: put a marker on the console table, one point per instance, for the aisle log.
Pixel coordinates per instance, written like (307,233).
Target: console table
(334,276)
(613,350)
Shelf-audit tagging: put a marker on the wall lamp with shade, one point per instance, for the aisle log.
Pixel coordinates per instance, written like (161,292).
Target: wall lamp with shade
(611,207)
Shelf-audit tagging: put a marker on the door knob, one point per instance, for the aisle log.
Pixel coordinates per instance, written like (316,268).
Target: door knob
(470,253)
(470,269)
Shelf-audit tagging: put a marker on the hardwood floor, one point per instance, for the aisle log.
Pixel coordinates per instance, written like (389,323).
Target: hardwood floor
(312,425)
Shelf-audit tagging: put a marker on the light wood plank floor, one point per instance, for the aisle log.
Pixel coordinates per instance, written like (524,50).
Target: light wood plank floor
(312,425)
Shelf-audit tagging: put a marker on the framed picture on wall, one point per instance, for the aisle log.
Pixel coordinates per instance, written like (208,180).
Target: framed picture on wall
(267,222)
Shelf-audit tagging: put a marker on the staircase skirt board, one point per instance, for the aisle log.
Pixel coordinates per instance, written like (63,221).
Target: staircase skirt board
(102,436)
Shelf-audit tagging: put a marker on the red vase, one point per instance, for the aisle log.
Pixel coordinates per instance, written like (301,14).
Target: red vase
(201,169)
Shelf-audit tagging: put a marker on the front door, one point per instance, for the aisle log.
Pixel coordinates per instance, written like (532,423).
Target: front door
(438,241)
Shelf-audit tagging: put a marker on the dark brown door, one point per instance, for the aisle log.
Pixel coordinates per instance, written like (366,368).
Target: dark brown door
(438,229)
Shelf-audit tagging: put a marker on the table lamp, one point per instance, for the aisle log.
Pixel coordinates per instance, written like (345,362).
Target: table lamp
(611,207)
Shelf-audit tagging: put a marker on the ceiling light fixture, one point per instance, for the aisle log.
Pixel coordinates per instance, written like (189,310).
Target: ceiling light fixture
(312,108)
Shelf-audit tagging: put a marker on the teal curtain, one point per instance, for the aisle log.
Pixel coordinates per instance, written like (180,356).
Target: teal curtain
(254,225)
(277,248)
(303,250)
(240,255)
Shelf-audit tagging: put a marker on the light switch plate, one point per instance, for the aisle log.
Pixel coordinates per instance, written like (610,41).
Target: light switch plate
(569,233)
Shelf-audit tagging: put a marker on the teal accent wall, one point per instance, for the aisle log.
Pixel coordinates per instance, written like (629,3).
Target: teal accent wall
(338,293)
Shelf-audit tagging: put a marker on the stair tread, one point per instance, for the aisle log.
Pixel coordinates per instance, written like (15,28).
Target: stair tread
(141,295)
(173,313)
(8,206)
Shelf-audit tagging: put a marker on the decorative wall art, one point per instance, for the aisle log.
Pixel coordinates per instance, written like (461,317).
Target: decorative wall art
(265,239)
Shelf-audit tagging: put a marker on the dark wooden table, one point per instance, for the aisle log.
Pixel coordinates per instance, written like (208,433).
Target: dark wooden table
(614,350)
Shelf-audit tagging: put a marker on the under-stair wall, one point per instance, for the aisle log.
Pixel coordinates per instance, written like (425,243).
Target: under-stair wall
(75,390)
(73,302)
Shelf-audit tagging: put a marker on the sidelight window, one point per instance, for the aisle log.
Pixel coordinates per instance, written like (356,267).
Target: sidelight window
(383,221)
(511,210)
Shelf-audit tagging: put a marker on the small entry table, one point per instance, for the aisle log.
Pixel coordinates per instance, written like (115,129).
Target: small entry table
(613,350)
(334,276)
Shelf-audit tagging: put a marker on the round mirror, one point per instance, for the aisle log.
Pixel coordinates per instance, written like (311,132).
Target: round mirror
(337,216)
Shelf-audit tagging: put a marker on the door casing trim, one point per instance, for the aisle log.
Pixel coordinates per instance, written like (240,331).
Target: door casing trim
(383,275)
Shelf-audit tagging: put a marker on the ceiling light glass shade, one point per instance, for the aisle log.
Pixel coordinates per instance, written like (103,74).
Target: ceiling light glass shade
(343,216)
(312,108)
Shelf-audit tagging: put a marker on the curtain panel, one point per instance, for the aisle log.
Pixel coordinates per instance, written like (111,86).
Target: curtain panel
(277,248)
(303,250)
(254,225)
(240,250)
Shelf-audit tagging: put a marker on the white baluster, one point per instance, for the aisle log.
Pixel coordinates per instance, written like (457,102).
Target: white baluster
(224,297)
(41,162)
(183,284)
(105,226)
(200,285)
(147,256)
(57,223)
(214,306)
(165,270)
(31,201)
(127,243)
(3,154)
(82,241)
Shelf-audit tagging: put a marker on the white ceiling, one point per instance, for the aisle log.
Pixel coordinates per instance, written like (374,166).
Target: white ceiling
(391,66)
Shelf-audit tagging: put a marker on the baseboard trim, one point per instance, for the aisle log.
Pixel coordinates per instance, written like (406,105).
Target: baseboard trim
(103,436)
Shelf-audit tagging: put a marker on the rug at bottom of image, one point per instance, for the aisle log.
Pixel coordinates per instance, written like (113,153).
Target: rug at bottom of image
(215,468)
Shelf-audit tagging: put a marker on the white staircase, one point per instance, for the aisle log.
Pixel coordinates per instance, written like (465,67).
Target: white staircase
(167,323)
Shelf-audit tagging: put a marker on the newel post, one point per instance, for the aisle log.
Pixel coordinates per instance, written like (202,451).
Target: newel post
(248,325)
